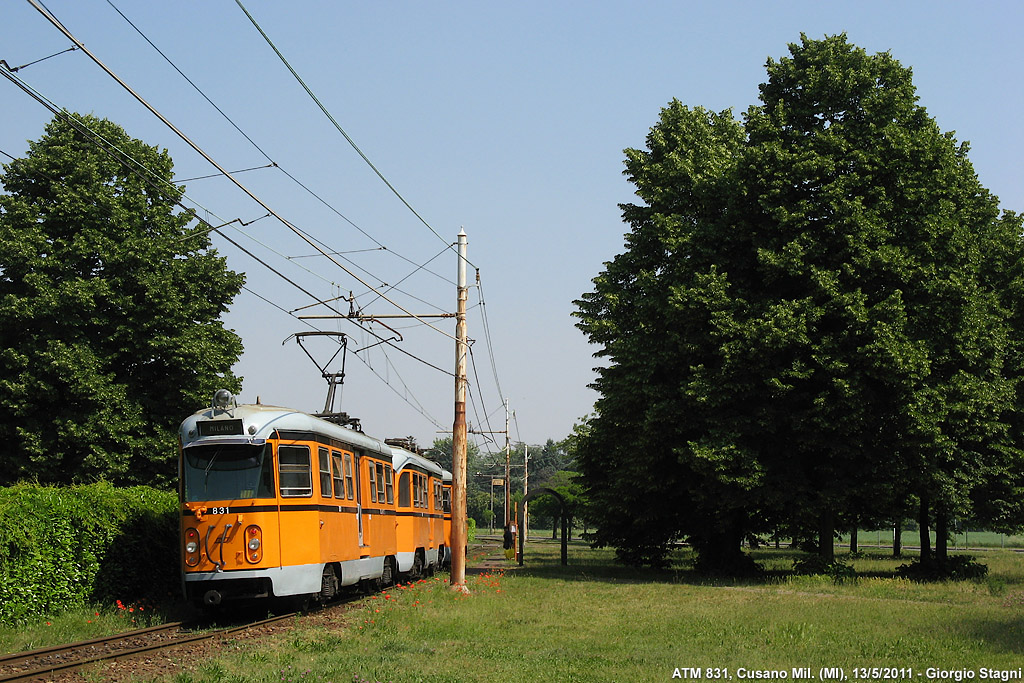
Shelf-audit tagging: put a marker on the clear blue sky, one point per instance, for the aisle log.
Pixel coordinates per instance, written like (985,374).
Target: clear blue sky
(508,119)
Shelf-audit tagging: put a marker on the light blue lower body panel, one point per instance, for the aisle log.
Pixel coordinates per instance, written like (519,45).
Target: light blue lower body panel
(405,560)
(353,571)
(303,579)
(294,580)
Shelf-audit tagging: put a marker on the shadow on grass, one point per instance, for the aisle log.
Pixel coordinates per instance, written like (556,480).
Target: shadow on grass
(999,635)
(542,559)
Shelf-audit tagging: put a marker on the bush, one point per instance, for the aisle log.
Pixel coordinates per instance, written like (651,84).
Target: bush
(953,568)
(839,571)
(63,548)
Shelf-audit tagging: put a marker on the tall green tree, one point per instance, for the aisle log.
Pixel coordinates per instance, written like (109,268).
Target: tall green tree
(802,328)
(664,456)
(110,310)
(872,222)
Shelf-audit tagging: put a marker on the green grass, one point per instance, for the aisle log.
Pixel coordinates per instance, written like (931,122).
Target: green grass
(597,621)
(83,624)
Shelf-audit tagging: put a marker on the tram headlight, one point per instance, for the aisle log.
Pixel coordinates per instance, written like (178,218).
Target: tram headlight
(191,547)
(222,399)
(253,544)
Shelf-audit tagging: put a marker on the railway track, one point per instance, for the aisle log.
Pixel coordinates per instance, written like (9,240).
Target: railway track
(40,664)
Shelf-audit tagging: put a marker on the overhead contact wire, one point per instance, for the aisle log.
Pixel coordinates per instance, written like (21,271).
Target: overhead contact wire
(144,173)
(337,125)
(235,125)
(152,179)
(53,20)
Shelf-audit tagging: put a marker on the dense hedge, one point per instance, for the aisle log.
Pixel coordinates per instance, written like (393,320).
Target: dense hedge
(66,547)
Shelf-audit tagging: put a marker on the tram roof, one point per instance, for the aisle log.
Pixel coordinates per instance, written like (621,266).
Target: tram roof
(402,458)
(257,422)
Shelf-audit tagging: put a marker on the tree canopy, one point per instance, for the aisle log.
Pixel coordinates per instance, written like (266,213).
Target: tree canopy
(110,308)
(813,322)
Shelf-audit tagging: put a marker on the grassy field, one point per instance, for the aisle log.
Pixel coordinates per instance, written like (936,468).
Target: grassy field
(971,539)
(596,621)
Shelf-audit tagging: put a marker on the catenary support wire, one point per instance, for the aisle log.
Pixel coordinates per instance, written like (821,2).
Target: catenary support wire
(53,20)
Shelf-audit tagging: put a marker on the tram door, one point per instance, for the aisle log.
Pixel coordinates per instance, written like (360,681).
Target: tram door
(359,493)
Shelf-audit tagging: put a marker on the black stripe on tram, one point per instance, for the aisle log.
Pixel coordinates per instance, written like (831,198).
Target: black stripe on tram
(307,507)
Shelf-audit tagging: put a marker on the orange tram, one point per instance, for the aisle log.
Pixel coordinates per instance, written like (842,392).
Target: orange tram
(276,503)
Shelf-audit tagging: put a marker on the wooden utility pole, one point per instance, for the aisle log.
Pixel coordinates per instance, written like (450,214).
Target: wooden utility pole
(508,473)
(459,434)
(526,486)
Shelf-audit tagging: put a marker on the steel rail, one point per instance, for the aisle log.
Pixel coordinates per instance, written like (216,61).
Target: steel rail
(53,667)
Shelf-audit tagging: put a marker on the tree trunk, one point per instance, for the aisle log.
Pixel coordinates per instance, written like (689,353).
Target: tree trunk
(826,535)
(554,528)
(736,526)
(926,544)
(897,538)
(941,534)
(853,540)
(721,553)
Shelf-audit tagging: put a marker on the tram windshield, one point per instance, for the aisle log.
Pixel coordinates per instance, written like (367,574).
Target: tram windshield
(228,472)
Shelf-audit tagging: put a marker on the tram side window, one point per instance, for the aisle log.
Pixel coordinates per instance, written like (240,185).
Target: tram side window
(437,495)
(373,482)
(403,490)
(325,472)
(349,483)
(420,490)
(295,471)
(389,483)
(446,500)
(339,475)
(380,483)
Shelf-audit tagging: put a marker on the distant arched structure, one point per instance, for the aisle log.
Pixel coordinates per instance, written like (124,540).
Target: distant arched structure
(536,493)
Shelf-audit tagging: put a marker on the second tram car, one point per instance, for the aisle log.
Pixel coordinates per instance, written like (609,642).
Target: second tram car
(420,528)
(279,503)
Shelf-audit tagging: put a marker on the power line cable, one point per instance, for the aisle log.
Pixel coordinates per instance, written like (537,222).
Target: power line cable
(515,421)
(211,228)
(53,20)
(409,393)
(417,406)
(341,315)
(487,333)
(15,69)
(383,284)
(142,171)
(422,267)
(273,163)
(337,125)
(217,175)
(150,178)
(487,418)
